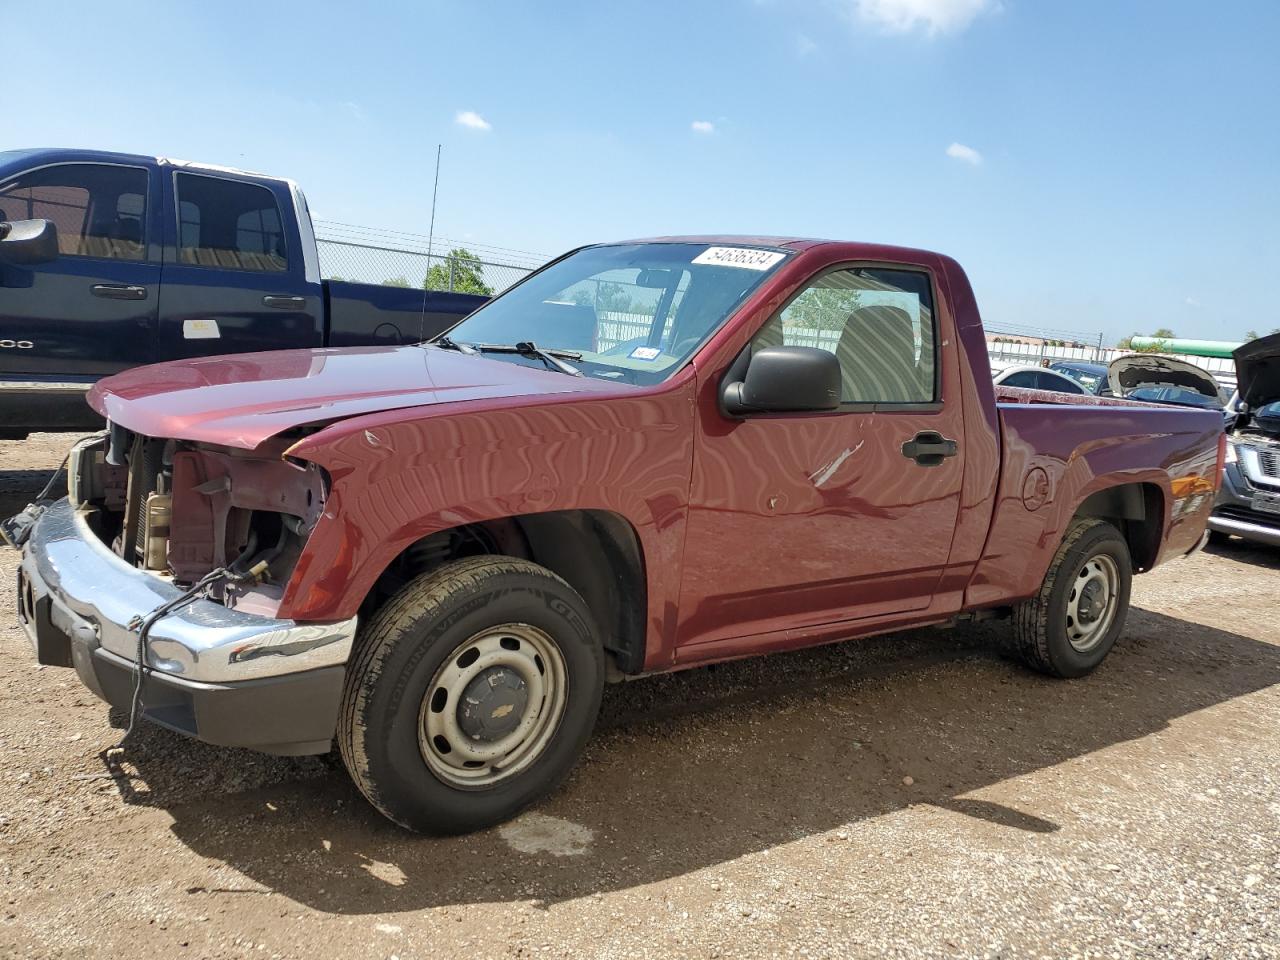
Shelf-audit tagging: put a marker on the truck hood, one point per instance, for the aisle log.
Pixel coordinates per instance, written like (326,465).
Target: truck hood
(1258,370)
(1135,370)
(244,399)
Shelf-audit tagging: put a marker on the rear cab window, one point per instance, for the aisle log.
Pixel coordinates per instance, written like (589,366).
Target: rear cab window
(229,224)
(99,209)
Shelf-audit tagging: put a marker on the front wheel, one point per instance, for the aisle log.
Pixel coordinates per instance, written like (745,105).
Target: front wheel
(1071,624)
(470,694)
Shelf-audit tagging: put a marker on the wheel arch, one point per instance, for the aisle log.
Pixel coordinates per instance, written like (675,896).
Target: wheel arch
(597,552)
(1137,510)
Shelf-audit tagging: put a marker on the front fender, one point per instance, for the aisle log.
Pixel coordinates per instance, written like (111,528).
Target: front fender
(398,479)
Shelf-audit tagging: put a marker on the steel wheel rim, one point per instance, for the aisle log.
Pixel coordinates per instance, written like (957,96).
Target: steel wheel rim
(453,751)
(1092,602)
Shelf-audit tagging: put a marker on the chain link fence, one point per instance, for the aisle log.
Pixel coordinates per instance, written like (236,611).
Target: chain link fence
(406,260)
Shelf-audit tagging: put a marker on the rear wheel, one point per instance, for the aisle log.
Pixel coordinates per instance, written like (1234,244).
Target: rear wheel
(470,694)
(1071,624)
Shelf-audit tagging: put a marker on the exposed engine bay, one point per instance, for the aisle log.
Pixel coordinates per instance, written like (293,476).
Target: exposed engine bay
(1255,439)
(183,510)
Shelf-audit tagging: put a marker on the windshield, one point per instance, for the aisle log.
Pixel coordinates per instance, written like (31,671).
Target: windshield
(631,312)
(1082,375)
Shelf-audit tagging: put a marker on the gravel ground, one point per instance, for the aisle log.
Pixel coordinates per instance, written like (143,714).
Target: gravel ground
(908,796)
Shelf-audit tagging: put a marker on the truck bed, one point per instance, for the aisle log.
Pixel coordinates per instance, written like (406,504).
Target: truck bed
(1054,449)
(361,314)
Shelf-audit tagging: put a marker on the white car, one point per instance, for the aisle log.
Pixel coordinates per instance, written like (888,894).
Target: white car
(1035,377)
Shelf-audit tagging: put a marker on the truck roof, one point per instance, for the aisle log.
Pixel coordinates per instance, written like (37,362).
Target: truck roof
(72,154)
(857,250)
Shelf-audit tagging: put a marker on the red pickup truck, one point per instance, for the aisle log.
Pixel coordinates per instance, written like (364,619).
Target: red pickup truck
(646,456)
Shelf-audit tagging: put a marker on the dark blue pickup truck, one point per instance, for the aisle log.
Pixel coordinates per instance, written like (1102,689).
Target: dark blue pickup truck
(110,260)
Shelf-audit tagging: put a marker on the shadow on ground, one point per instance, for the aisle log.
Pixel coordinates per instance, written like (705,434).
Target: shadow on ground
(697,769)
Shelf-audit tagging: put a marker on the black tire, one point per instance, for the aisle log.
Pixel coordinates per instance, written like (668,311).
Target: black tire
(1040,624)
(400,653)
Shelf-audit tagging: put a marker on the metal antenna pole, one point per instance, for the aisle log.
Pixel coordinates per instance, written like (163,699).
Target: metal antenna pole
(431,231)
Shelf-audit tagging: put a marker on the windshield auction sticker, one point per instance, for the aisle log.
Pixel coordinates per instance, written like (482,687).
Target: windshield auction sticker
(743,257)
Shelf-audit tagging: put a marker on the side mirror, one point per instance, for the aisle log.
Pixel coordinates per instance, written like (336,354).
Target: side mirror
(785,379)
(28,241)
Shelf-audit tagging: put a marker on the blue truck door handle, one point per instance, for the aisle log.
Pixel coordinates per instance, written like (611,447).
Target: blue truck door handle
(118,291)
(285,303)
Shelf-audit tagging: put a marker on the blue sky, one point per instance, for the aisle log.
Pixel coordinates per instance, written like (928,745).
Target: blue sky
(1096,166)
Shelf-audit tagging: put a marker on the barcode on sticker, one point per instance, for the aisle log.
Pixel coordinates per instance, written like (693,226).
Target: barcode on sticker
(743,257)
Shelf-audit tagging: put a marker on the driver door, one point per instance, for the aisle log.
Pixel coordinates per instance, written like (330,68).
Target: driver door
(800,520)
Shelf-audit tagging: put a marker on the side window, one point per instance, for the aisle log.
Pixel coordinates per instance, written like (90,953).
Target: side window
(878,323)
(229,224)
(100,210)
(1049,381)
(1023,378)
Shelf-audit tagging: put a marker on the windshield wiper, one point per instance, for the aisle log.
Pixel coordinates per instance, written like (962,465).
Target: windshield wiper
(553,359)
(445,341)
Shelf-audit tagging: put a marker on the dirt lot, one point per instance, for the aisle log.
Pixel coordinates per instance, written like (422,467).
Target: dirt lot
(905,796)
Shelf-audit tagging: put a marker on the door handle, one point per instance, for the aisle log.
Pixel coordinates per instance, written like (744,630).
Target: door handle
(118,291)
(929,448)
(284,303)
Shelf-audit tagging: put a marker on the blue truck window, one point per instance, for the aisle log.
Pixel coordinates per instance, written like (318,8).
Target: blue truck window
(99,209)
(229,224)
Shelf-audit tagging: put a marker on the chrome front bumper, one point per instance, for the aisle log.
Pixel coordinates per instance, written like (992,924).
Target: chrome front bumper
(93,595)
(220,676)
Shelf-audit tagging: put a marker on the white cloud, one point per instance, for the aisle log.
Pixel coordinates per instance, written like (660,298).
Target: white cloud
(958,151)
(469,118)
(702,126)
(1193,302)
(805,45)
(935,16)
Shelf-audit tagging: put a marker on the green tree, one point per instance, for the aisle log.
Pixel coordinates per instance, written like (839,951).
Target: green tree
(1126,343)
(1164,333)
(460,272)
(396,282)
(1251,334)
(613,298)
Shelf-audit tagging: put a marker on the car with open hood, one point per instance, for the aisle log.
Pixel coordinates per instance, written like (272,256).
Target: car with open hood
(1155,378)
(645,456)
(1249,502)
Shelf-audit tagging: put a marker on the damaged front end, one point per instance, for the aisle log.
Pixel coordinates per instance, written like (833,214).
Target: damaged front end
(165,566)
(182,510)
